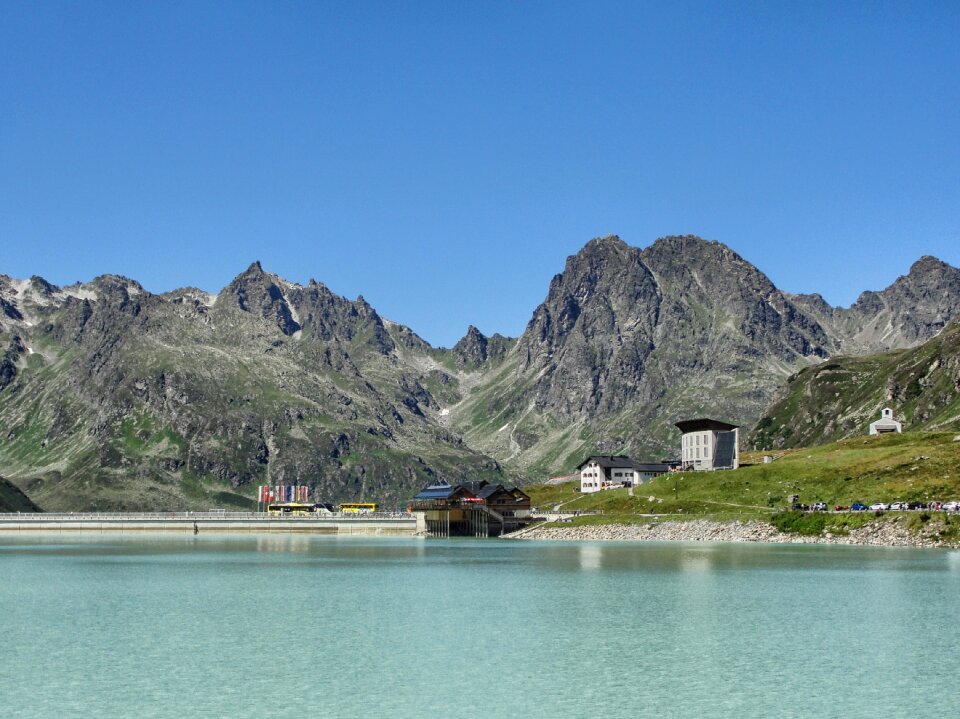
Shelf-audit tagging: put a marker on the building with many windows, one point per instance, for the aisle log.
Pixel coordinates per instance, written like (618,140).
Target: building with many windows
(709,444)
(608,471)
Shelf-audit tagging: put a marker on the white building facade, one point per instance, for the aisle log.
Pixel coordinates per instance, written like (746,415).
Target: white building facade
(708,444)
(886,424)
(604,472)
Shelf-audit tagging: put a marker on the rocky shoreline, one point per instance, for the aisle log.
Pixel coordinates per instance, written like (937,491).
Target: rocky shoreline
(888,533)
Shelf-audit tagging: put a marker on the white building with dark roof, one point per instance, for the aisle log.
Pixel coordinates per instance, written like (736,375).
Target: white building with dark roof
(708,444)
(886,424)
(605,471)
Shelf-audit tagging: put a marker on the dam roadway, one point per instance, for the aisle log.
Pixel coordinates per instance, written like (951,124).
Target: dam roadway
(381,523)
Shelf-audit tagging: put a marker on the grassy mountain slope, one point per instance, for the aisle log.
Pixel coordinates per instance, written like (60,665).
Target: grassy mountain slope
(841,397)
(914,466)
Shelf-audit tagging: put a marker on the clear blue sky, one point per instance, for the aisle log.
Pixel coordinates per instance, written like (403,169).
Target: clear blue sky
(443,159)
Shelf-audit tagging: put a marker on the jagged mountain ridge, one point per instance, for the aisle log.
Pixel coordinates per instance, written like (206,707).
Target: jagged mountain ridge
(910,311)
(115,397)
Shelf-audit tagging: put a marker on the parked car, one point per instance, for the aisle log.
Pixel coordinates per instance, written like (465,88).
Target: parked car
(898,506)
(858,507)
(820,507)
(951,506)
(880,507)
(841,508)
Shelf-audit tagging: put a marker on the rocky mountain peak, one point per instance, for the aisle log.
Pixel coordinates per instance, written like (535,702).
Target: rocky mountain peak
(261,294)
(605,244)
(621,324)
(471,350)
(597,254)
(677,253)
(908,312)
(928,264)
(118,284)
(42,287)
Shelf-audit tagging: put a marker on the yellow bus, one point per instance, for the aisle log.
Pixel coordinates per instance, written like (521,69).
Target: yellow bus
(290,509)
(358,507)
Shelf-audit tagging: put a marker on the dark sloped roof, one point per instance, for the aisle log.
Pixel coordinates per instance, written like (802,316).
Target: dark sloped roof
(490,490)
(618,461)
(439,490)
(622,462)
(702,424)
(444,491)
(474,486)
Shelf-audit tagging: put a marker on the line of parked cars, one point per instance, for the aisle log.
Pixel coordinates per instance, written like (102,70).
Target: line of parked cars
(879,507)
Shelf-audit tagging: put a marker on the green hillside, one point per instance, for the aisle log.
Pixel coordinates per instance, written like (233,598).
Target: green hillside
(840,398)
(914,466)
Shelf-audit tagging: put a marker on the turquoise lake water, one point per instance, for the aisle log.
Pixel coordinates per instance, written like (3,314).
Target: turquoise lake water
(288,626)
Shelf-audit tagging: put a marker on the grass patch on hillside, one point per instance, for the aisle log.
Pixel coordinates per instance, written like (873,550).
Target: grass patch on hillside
(816,523)
(137,436)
